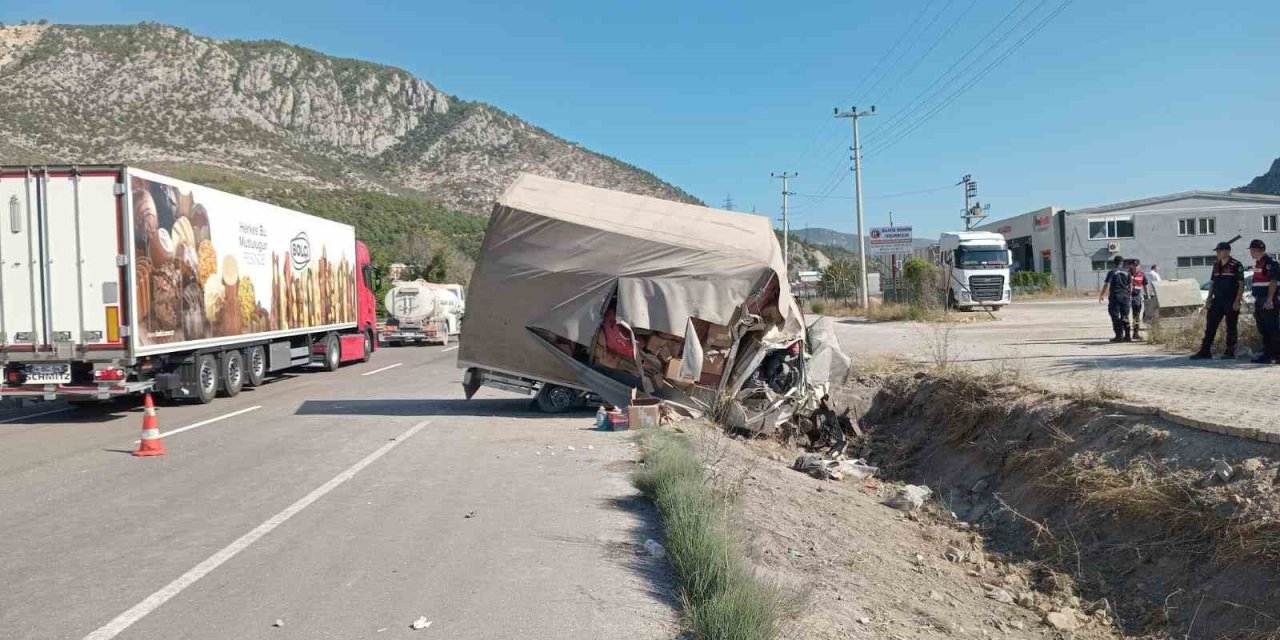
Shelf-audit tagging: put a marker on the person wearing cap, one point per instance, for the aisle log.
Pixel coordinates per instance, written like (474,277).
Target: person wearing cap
(1265,311)
(1139,295)
(1225,293)
(1118,290)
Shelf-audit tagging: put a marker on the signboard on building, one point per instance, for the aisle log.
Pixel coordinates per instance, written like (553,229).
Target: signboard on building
(889,240)
(1043,220)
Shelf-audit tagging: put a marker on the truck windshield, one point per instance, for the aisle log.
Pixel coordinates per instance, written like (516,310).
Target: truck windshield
(992,257)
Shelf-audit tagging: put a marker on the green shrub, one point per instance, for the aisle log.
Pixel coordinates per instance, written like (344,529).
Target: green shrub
(721,596)
(1033,280)
(817,306)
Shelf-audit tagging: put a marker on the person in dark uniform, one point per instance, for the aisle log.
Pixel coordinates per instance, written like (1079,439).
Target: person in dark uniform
(1139,295)
(1118,291)
(1225,294)
(1265,312)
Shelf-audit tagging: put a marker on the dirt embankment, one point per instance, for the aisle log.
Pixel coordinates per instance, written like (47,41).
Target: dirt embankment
(1171,531)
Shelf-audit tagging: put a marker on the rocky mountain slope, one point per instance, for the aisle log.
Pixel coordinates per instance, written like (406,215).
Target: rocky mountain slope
(1267,183)
(154,93)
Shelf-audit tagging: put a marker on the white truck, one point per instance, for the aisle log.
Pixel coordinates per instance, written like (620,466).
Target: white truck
(118,281)
(423,311)
(975,269)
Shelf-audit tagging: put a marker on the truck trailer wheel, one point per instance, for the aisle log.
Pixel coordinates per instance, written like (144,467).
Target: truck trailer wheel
(255,365)
(232,373)
(206,378)
(553,398)
(332,356)
(368,346)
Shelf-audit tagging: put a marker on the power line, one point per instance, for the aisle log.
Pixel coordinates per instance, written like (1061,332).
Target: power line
(882,197)
(876,67)
(915,105)
(908,48)
(933,46)
(982,74)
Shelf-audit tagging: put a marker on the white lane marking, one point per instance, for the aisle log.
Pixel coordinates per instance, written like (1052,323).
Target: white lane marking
(36,415)
(369,373)
(155,600)
(209,421)
(449,349)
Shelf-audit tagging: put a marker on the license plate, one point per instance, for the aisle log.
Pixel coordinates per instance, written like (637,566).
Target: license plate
(48,374)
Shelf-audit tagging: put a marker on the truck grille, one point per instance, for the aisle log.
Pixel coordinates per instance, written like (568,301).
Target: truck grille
(986,287)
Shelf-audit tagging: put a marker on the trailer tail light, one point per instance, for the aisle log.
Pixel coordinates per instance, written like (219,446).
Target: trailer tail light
(108,375)
(113,324)
(13,376)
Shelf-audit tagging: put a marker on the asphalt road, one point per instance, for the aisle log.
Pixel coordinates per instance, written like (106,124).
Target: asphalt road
(337,503)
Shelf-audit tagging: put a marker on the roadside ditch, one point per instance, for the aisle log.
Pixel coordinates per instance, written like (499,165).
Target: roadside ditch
(1116,520)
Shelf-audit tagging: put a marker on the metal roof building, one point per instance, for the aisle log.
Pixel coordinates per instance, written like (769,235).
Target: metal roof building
(1177,232)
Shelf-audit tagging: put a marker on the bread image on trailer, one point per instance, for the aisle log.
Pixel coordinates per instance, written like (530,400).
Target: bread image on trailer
(134,281)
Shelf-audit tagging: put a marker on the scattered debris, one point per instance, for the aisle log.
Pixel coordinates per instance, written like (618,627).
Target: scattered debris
(864,620)
(570,448)
(1062,620)
(998,594)
(910,498)
(955,554)
(817,466)
(420,624)
(1221,472)
(1249,468)
(470,514)
(655,548)
(857,469)
(278,624)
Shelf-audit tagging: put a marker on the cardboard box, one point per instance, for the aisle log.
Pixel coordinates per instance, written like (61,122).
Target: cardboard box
(673,368)
(718,336)
(713,363)
(664,346)
(643,413)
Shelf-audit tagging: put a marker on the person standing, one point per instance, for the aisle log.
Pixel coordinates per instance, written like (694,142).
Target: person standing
(1153,276)
(1139,295)
(1225,293)
(1265,312)
(1118,291)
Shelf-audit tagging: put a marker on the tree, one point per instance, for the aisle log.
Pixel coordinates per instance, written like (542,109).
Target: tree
(840,280)
(919,274)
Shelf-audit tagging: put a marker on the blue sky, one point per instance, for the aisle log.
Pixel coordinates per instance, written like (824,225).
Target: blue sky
(1111,100)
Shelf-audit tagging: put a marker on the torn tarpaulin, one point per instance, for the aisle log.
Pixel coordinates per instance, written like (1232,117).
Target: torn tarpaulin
(612,292)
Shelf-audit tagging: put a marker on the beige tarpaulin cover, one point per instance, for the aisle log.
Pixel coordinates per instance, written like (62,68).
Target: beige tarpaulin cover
(555,251)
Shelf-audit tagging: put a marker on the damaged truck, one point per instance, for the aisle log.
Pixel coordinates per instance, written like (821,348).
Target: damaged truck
(583,295)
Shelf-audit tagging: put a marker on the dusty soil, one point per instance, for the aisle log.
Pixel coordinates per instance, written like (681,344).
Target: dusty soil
(1175,531)
(864,570)
(1096,524)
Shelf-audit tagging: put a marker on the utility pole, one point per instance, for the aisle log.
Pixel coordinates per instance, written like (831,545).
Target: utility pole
(786,220)
(974,212)
(728,202)
(854,115)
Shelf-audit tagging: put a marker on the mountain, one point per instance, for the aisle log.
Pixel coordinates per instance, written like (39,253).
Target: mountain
(150,93)
(1267,183)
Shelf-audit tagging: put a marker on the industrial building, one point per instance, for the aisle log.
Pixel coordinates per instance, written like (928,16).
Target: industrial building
(1176,232)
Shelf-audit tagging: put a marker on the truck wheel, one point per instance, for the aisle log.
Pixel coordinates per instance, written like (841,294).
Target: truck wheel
(255,365)
(951,300)
(368,347)
(553,398)
(232,373)
(206,378)
(332,357)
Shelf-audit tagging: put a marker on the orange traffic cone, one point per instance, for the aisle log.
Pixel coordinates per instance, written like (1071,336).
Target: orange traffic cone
(150,445)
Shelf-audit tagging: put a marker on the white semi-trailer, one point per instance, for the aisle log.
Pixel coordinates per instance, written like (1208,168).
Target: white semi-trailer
(120,281)
(422,311)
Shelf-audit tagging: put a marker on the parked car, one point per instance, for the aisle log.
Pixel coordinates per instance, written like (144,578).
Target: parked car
(1248,288)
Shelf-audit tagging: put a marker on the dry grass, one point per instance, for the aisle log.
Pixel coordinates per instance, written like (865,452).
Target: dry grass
(895,312)
(1053,294)
(1185,334)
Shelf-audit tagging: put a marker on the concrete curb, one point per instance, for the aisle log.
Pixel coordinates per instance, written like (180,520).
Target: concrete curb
(1248,433)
